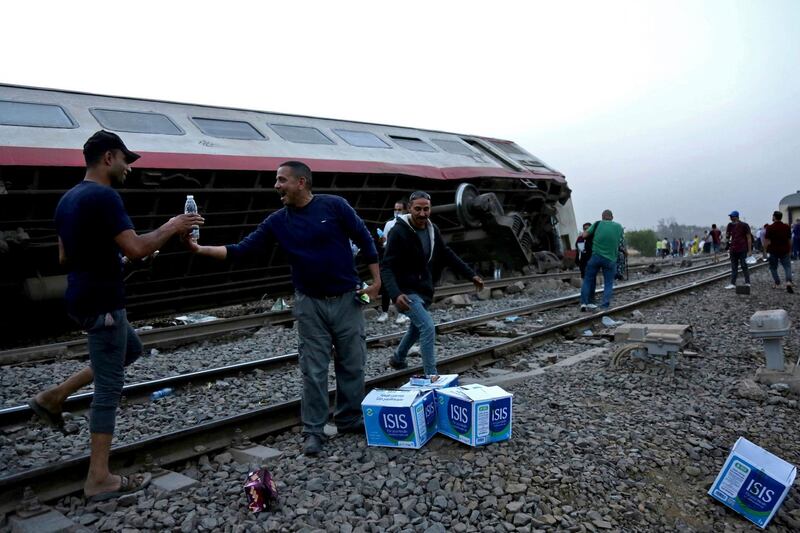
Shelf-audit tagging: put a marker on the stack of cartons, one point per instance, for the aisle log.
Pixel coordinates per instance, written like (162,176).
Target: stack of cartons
(410,416)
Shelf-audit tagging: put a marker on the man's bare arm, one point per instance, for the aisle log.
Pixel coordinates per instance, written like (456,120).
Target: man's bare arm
(138,246)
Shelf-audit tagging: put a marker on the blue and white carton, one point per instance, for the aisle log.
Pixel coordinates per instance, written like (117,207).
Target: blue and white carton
(474,414)
(753,482)
(399,418)
(432,382)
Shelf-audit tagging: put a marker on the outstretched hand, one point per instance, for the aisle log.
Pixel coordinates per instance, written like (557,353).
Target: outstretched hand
(182,224)
(190,243)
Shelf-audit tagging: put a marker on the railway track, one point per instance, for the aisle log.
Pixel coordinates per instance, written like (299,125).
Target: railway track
(65,477)
(183,334)
(20,413)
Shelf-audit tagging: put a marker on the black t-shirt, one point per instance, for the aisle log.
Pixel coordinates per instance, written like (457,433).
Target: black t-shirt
(425,239)
(88,217)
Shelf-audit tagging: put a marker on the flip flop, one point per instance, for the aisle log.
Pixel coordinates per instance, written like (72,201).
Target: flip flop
(48,417)
(127,485)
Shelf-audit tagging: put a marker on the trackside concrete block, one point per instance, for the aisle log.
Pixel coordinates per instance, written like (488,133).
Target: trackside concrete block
(173,482)
(49,522)
(254,454)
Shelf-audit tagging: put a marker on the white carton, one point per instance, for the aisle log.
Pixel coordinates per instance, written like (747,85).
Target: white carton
(432,382)
(399,418)
(753,482)
(474,414)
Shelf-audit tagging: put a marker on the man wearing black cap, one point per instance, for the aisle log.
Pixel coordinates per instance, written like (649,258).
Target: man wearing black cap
(740,241)
(93,231)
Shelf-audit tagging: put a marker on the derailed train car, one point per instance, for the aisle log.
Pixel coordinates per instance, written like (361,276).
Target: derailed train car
(497,205)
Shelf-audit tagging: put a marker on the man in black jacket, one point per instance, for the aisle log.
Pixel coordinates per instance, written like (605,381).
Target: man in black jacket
(414,257)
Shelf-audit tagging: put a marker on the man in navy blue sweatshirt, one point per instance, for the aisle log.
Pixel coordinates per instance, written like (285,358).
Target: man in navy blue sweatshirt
(315,232)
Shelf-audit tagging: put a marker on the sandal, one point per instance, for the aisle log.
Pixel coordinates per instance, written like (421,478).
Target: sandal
(48,417)
(127,485)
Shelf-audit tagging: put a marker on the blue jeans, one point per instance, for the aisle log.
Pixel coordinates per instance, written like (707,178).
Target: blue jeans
(422,329)
(786,263)
(609,268)
(323,324)
(113,345)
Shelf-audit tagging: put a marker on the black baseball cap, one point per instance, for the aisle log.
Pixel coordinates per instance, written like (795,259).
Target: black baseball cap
(102,141)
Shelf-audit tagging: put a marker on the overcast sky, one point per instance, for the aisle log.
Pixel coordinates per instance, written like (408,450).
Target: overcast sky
(653,109)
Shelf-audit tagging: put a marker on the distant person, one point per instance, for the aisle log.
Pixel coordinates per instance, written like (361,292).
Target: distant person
(659,247)
(695,245)
(675,247)
(315,231)
(777,241)
(584,247)
(796,239)
(414,257)
(740,244)
(759,242)
(716,240)
(400,209)
(622,261)
(606,237)
(94,230)
(706,242)
(681,247)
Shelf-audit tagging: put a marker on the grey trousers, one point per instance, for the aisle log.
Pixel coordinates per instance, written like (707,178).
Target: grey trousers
(322,324)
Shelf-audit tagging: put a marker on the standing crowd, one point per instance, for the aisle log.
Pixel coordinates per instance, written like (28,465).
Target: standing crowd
(319,234)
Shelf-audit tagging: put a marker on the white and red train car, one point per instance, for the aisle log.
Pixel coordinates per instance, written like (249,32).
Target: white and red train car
(495,202)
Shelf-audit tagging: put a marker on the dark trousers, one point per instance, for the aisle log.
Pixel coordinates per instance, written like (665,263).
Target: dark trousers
(322,324)
(785,262)
(739,258)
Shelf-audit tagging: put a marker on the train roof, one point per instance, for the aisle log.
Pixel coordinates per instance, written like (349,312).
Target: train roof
(48,127)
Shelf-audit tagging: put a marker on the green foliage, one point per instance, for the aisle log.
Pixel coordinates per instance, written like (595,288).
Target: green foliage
(643,240)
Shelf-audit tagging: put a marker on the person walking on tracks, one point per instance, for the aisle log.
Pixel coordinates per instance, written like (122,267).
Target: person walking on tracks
(414,257)
(606,237)
(740,244)
(778,243)
(584,247)
(400,209)
(93,227)
(315,232)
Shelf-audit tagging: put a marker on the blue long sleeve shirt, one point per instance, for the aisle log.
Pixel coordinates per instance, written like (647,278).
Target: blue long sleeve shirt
(316,237)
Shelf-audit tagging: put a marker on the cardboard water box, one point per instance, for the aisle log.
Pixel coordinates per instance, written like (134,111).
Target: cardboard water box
(474,414)
(753,482)
(432,382)
(399,418)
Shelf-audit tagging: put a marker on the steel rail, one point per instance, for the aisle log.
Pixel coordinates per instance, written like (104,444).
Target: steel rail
(61,479)
(171,335)
(76,402)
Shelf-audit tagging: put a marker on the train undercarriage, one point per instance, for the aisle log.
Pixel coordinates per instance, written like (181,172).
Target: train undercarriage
(492,223)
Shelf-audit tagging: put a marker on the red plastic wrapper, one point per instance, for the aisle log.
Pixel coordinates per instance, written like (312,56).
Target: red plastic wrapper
(262,495)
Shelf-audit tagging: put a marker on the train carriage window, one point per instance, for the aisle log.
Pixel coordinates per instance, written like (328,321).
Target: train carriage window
(136,121)
(301,134)
(364,139)
(412,143)
(228,129)
(36,115)
(509,148)
(453,147)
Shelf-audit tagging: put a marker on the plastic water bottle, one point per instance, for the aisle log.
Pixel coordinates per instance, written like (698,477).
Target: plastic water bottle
(191,209)
(161,393)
